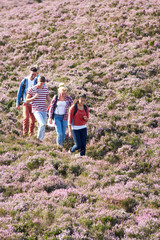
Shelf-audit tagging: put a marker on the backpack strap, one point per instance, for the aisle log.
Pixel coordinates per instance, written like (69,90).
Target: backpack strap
(85,108)
(54,106)
(76,108)
(36,80)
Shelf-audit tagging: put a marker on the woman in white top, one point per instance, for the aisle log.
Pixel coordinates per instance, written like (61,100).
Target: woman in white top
(59,112)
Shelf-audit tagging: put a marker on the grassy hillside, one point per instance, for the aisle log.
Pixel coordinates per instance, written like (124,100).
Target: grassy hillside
(109,50)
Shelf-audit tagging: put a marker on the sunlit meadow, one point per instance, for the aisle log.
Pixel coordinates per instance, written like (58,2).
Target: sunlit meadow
(109,50)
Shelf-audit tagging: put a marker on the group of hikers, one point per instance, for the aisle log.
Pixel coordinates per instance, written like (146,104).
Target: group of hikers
(34,95)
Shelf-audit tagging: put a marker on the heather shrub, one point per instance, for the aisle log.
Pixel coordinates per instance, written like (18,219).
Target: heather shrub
(143,166)
(7,158)
(76,169)
(112,104)
(144,230)
(131,107)
(86,222)
(10,191)
(155,203)
(15,132)
(133,140)
(152,123)
(114,143)
(129,204)
(50,187)
(119,232)
(107,50)
(108,219)
(68,142)
(138,93)
(111,158)
(61,168)
(53,154)
(35,163)
(96,153)
(29,229)
(3,212)
(109,182)
(71,200)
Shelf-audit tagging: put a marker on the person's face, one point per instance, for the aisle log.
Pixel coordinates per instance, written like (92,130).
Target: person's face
(41,84)
(63,93)
(82,101)
(32,75)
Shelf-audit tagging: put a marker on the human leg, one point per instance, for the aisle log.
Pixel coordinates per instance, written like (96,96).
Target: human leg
(83,136)
(58,126)
(32,121)
(77,140)
(44,114)
(25,118)
(64,127)
(41,118)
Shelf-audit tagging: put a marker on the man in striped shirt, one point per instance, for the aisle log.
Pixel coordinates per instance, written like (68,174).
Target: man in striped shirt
(39,96)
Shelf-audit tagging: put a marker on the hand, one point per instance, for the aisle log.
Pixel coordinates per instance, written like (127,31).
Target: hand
(85,118)
(18,107)
(36,95)
(50,121)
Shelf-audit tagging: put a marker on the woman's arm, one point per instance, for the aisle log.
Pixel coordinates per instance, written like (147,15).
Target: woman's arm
(29,97)
(51,109)
(86,118)
(70,131)
(48,103)
(70,119)
(70,101)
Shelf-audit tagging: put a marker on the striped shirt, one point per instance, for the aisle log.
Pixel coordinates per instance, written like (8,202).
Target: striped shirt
(68,101)
(39,104)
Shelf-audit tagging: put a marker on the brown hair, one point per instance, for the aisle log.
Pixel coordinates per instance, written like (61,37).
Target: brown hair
(76,100)
(34,68)
(41,79)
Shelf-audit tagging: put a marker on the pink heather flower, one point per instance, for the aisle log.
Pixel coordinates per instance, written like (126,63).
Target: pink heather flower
(157,44)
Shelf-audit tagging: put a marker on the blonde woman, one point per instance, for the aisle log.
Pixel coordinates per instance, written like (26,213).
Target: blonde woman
(59,112)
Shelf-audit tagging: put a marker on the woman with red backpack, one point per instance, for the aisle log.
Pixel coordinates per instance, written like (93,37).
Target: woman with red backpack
(78,117)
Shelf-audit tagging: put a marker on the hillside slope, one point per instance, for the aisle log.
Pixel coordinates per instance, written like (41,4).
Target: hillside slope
(109,50)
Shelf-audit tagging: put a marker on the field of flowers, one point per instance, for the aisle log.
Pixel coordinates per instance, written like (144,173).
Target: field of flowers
(110,50)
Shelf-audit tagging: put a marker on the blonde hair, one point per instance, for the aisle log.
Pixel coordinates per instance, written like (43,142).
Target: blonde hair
(61,87)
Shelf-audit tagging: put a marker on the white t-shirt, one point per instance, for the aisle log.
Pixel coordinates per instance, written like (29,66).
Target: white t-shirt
(60,109)
(30,83)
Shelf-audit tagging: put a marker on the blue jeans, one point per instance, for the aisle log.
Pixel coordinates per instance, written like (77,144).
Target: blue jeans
(41,118)
(80,139)
(60,126)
